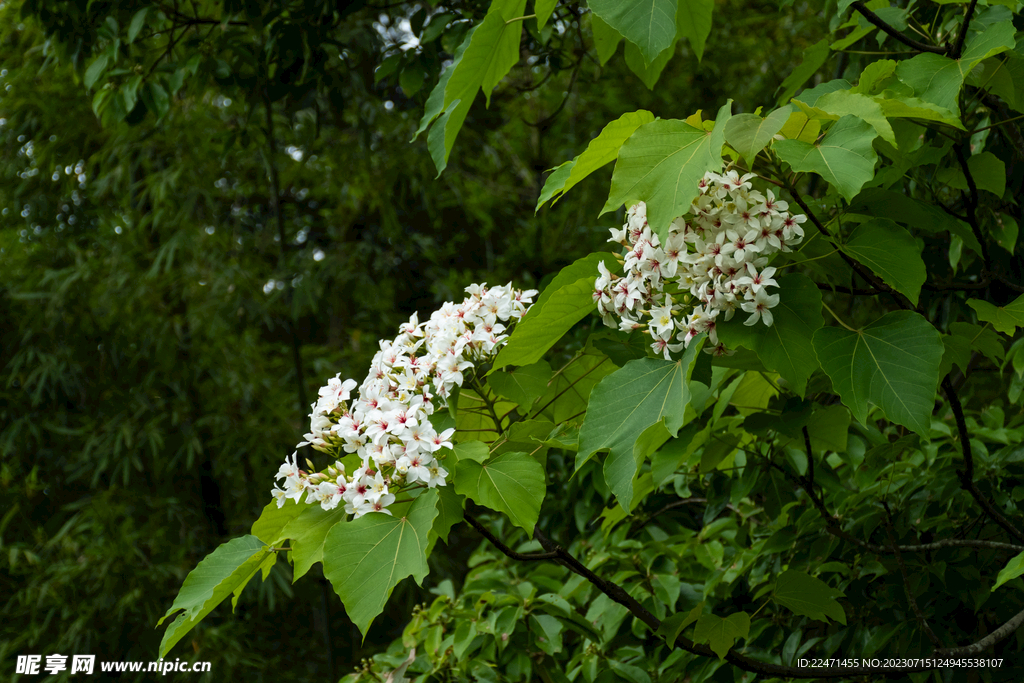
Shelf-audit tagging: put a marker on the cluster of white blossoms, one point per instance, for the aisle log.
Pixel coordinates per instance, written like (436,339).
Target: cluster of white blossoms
(714,261)
(388,424)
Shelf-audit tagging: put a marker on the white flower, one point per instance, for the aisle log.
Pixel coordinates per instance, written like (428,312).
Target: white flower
(759,307)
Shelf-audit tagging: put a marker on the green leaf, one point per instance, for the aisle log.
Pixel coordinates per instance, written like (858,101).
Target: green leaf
(912,213)
(845,157)
(586,266)
(648,24)
(874,75)
(620,470)
(156,99)
(988,171)
(570,389)
(938,79)
(672,626)
(721,633)
(522,386)
(450,506)
(1005,319)
(223,571)
(633,674)
(891,253)
(807,596)
(477,451)
(915,108)
(534,335)
(892,363)
(606,39)
(512,483)
(629,401)
(693,22)
(436,101)
(662,163)
(555,182)
(845,103)
(648,73)
(364,559)
(442,134)
(306,534)
(748,134)
(543,10)
(138,21)
(814,59)
(1013,569)
(602,150)
(274,519)
(785,346)
(94,71)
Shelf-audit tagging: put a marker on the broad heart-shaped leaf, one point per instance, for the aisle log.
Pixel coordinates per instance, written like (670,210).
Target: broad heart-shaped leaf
(512,483)
(522,386)
(534,335)
(808,596)
(1013,569)
(662,163)
(628,402)
(1005,319)
(364,559)
(785,346)
(916,108)
(721,633)
(693,22)
(648,24)
(841,103)
(748,134)
(222,572)
(648,73)
(891,253)
(892,363)
(938,79)
(306,534)
(845,157)
(601,150)
(274,519)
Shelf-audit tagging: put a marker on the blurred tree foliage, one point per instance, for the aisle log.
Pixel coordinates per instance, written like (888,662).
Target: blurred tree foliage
(206,208)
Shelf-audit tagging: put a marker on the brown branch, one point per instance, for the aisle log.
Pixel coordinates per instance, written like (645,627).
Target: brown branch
(619,595)
(496,542)
(889,30)
(972,204)
(986,642)
(967,474)
(959,46)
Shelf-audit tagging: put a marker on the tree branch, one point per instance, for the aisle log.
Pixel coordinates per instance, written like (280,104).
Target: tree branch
(967,474)
(972,204)
(986,642)
(959,46)
(889,30)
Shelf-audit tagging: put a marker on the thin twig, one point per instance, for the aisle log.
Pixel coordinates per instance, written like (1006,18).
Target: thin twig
(959,45)
(889,30)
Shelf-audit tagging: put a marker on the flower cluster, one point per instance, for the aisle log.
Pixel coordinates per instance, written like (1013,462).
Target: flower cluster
(388,424)
(714,261)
